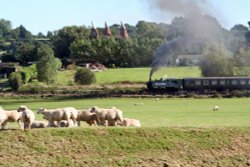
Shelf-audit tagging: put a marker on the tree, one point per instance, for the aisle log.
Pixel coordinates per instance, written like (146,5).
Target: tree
(5,27)
(25,53)
(47,64)
(84,77)
(216,61)
(21,33)
(64,37)
(242,62)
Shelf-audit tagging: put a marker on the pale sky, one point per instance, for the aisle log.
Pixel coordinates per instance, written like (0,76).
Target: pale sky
(49,15)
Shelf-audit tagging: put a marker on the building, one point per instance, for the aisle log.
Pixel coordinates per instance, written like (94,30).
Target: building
(123,31)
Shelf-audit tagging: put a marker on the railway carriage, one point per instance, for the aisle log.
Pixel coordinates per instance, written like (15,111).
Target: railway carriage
(203,83)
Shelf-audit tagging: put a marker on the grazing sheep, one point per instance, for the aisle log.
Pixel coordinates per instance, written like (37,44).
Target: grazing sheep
(27,117)
(39,124)
(87,116)
(215,108)
(13,116)
(111,115)
(59,114)
(131,122)
(3,117)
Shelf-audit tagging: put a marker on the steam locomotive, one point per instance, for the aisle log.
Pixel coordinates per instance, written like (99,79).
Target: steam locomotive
(200,84)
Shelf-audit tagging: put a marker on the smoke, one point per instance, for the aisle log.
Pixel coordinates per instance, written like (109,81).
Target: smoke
(199,28)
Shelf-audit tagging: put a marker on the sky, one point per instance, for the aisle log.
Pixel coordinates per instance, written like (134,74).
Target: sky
(49,15)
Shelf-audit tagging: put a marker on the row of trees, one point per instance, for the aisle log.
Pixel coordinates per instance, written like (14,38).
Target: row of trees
(75,43)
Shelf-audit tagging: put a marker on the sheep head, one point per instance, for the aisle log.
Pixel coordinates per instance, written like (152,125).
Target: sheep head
(22,108)
(40,110)
(94,109)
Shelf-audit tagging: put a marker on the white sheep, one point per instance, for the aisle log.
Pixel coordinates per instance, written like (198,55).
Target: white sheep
(13,116)
(3,117)
(87,116)
(215,108)
(59,114)
(131,122)
(39,124)
(27,117)
(112,115)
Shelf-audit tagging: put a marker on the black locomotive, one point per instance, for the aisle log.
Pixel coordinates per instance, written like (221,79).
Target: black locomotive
(199,84)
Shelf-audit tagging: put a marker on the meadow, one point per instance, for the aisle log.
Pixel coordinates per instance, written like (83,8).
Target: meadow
(154,112)
(132,74)
(174,132)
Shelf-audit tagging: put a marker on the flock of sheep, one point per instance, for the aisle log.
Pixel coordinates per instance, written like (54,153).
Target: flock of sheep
(66,117)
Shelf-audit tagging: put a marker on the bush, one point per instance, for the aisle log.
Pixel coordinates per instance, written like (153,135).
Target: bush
(16,80)
(84,77)
(29,73)
(37,87)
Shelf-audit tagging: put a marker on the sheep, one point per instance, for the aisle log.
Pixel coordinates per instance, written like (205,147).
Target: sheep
(131,122)
(3,117)
(27,117)
(215,108)
(110,115)
(59,114)
(64,123)
(13,116)
(87,116)
(39,124)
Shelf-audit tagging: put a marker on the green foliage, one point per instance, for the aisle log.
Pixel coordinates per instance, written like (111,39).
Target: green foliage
(216,61)
(84,77)
(16,80)
(58,64)
(47,65)
(242,63)
(29,73)
(37,87)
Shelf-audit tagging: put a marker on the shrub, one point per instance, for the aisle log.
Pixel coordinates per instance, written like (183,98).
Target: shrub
(84,77)
(16,80)
(29,73)
(37,87)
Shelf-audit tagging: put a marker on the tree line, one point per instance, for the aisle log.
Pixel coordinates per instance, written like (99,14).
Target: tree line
(74,42)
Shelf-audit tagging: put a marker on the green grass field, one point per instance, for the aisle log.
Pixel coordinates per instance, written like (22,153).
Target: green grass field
(174,132)
(132,74)
(158,113)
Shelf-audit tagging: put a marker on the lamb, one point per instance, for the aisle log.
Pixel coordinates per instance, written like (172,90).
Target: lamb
(112,115)
(27,117)
(131,122)
(215,108)
(39,124)
(87,116)
(3,117)
(59,114)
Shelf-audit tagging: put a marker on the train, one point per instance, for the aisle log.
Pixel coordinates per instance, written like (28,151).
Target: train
(200,84)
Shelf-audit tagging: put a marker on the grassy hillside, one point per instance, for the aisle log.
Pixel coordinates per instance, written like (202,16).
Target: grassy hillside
(174,132)
(126,147)
(132,74)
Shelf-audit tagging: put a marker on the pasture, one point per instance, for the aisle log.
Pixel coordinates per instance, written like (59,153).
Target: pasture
(174,132)
(163,112)
(132,74)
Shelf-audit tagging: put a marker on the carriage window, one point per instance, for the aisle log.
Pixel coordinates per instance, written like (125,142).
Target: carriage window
(234,82)
(214,82)
(197,82)
(222,82)
(248,82)
(206,82)
(242,82)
